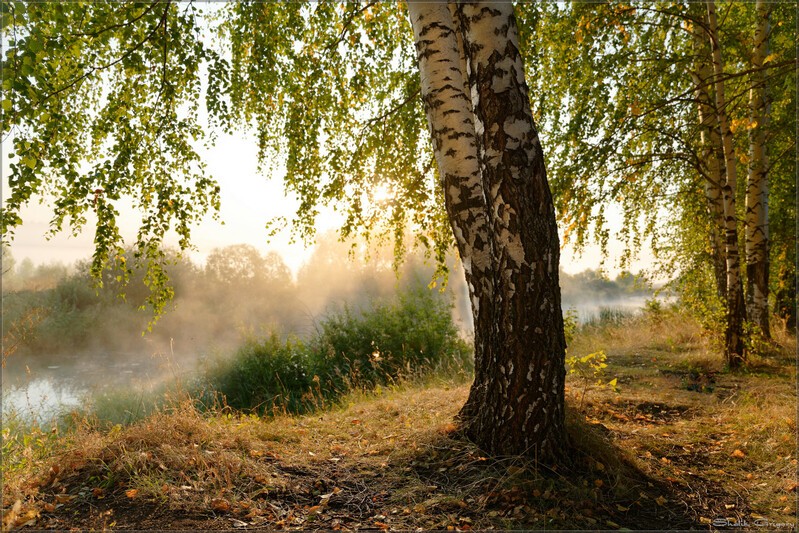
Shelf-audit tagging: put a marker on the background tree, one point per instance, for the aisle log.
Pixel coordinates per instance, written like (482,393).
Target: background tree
(627,125)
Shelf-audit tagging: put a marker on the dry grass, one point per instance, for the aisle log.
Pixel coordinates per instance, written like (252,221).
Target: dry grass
(679,445)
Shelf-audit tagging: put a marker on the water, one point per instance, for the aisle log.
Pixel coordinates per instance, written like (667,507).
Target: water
(590,310)
(39,388)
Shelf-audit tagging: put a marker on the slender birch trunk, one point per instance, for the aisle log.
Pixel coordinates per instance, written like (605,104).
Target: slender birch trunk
(503,218)
(756,229)
(713,158)
(734,352)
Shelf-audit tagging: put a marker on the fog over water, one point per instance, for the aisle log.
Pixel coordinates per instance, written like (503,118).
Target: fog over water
(72,343)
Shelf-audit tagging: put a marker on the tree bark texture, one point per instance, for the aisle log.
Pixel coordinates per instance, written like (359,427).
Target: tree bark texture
(713,159)
(756,220)
(734,352)
(503,218)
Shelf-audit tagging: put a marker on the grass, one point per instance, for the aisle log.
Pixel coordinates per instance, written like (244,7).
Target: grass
(656,454)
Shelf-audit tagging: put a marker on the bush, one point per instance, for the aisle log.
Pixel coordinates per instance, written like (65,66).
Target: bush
(409,335)
(264,375)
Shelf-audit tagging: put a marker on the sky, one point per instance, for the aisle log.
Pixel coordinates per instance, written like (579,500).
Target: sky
(249,201)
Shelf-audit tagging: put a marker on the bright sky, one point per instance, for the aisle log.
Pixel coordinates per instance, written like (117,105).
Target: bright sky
(249,200)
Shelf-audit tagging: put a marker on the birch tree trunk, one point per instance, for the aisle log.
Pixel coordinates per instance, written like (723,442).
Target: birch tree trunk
(756,232)
(503,218)
(713,158)
(736,310)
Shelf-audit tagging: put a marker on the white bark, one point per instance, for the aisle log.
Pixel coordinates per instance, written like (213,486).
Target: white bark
(449,113)
(734,350)
(502,215)
(713,158)
(756,220)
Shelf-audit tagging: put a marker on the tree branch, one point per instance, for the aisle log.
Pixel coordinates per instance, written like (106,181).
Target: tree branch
(347,23)
(92,70)
(115,26)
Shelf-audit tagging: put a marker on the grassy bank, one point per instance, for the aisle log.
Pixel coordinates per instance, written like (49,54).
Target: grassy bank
(678,443)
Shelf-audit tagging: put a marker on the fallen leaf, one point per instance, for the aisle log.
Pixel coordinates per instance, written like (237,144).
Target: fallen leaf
(10,516)
(220,504)
(738,454)
(238,523)
(64,498)
(661,500)
(132,493)
(98,493)
(598,483)
(381,525)
(513,470)
(448,428)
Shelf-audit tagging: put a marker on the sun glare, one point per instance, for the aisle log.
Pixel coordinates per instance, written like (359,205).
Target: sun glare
(382,194)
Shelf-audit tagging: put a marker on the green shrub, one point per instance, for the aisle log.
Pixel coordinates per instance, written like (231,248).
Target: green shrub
(409,335)
(265,375)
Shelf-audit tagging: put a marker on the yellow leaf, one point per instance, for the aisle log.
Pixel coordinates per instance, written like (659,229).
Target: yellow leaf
(770,57)
(132,493)
(738,454)
(661,500)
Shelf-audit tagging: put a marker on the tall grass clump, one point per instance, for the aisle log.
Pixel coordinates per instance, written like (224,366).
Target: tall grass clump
(609,317)
(411,334)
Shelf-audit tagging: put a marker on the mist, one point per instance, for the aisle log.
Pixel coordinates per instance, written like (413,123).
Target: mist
(64,340)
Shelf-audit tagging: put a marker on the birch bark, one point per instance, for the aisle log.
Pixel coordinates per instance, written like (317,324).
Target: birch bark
(502,214)
(713,158)
(756,220)
(736,310)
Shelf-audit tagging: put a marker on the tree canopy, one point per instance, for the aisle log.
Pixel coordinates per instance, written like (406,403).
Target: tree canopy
(104,101)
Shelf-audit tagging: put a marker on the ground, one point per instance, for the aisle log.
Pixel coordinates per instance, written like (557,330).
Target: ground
(679,444)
